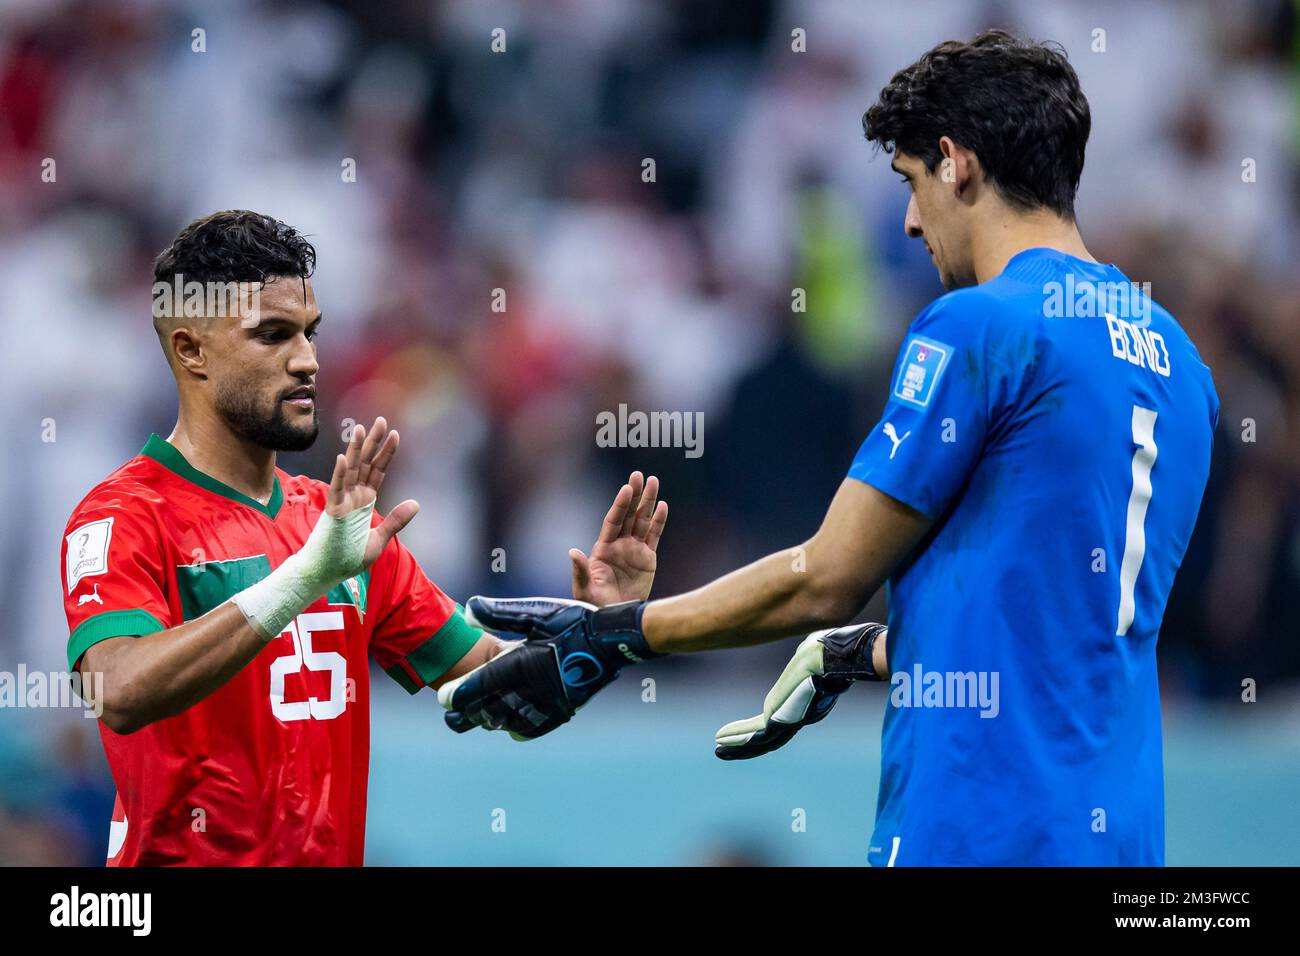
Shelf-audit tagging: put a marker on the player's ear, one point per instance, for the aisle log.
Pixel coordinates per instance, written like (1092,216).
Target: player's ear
(957,167)
(187,350)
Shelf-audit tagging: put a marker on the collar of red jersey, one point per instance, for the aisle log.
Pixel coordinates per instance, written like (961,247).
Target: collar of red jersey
(170,457)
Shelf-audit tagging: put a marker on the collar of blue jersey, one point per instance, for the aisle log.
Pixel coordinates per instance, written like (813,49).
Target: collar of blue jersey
(170,457)
(1028,263)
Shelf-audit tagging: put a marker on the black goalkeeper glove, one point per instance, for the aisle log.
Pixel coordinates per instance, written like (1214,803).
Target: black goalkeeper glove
(823,667)
(570,651)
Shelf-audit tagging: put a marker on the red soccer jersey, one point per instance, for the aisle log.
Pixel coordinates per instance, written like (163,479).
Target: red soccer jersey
(272,767)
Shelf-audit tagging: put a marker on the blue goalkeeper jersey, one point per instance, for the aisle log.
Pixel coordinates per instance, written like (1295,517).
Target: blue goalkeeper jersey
(1056,425)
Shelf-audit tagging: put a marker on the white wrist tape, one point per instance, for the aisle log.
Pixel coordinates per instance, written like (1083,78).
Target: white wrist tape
(333,552)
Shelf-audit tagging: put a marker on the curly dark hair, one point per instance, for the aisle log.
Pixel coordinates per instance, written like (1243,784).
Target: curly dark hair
(236,245)
(1016,104)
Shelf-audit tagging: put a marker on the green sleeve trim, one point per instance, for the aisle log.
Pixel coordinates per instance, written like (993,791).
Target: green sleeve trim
(436,656)
(398,673)
(109,624)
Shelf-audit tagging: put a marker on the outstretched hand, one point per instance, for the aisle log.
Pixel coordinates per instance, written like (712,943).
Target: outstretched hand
(623,560)
(358,473)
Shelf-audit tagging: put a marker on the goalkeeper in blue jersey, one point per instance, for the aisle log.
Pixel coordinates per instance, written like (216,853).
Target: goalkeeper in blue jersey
(1028,495)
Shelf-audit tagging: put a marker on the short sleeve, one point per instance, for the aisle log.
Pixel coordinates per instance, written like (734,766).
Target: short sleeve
(420,632)
(114,574)
(932,432)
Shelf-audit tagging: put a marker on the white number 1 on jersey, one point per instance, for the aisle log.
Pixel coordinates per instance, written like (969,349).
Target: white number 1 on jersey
(1135,534)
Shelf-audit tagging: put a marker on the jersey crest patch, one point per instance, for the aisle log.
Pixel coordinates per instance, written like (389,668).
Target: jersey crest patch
(923,362)
(88,551)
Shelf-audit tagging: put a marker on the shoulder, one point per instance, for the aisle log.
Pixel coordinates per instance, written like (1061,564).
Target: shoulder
(973,322)
(991,336)
(1163,321)
(1183,351)
(133,494)
(969,314)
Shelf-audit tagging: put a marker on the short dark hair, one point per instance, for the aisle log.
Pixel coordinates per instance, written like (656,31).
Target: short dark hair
(236,245)
(1016,104)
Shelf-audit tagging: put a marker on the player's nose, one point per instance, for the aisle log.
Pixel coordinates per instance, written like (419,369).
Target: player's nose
(912,220)
(303,360)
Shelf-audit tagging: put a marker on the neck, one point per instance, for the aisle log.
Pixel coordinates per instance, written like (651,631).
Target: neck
(210,446)
(1014,232)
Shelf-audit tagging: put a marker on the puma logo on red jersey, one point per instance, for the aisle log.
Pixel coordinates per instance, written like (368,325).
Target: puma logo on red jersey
(92,596)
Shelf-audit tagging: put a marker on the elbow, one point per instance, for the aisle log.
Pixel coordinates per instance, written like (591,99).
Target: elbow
(829,598)
(121,724)
(117,692)
(123,709)
(120,719)
(829,603)
(834,588)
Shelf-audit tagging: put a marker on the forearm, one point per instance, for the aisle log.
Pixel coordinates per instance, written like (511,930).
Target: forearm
(159,675)
(485,648)
(782,594)
(823,583)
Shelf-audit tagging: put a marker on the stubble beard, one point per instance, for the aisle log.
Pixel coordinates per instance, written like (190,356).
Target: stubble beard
(273,430)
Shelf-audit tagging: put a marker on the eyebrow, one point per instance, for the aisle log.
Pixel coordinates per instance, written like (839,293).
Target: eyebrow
(282,321)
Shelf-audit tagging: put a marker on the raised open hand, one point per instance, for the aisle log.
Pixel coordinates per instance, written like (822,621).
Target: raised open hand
(623,559)
(358,473)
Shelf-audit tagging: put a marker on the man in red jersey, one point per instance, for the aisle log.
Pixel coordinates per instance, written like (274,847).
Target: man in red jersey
(231,607)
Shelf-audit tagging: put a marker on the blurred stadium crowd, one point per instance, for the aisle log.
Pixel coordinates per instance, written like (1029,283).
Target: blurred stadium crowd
(523,171)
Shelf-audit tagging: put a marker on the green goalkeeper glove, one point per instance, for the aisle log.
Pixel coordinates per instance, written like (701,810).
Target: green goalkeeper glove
(823,667)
